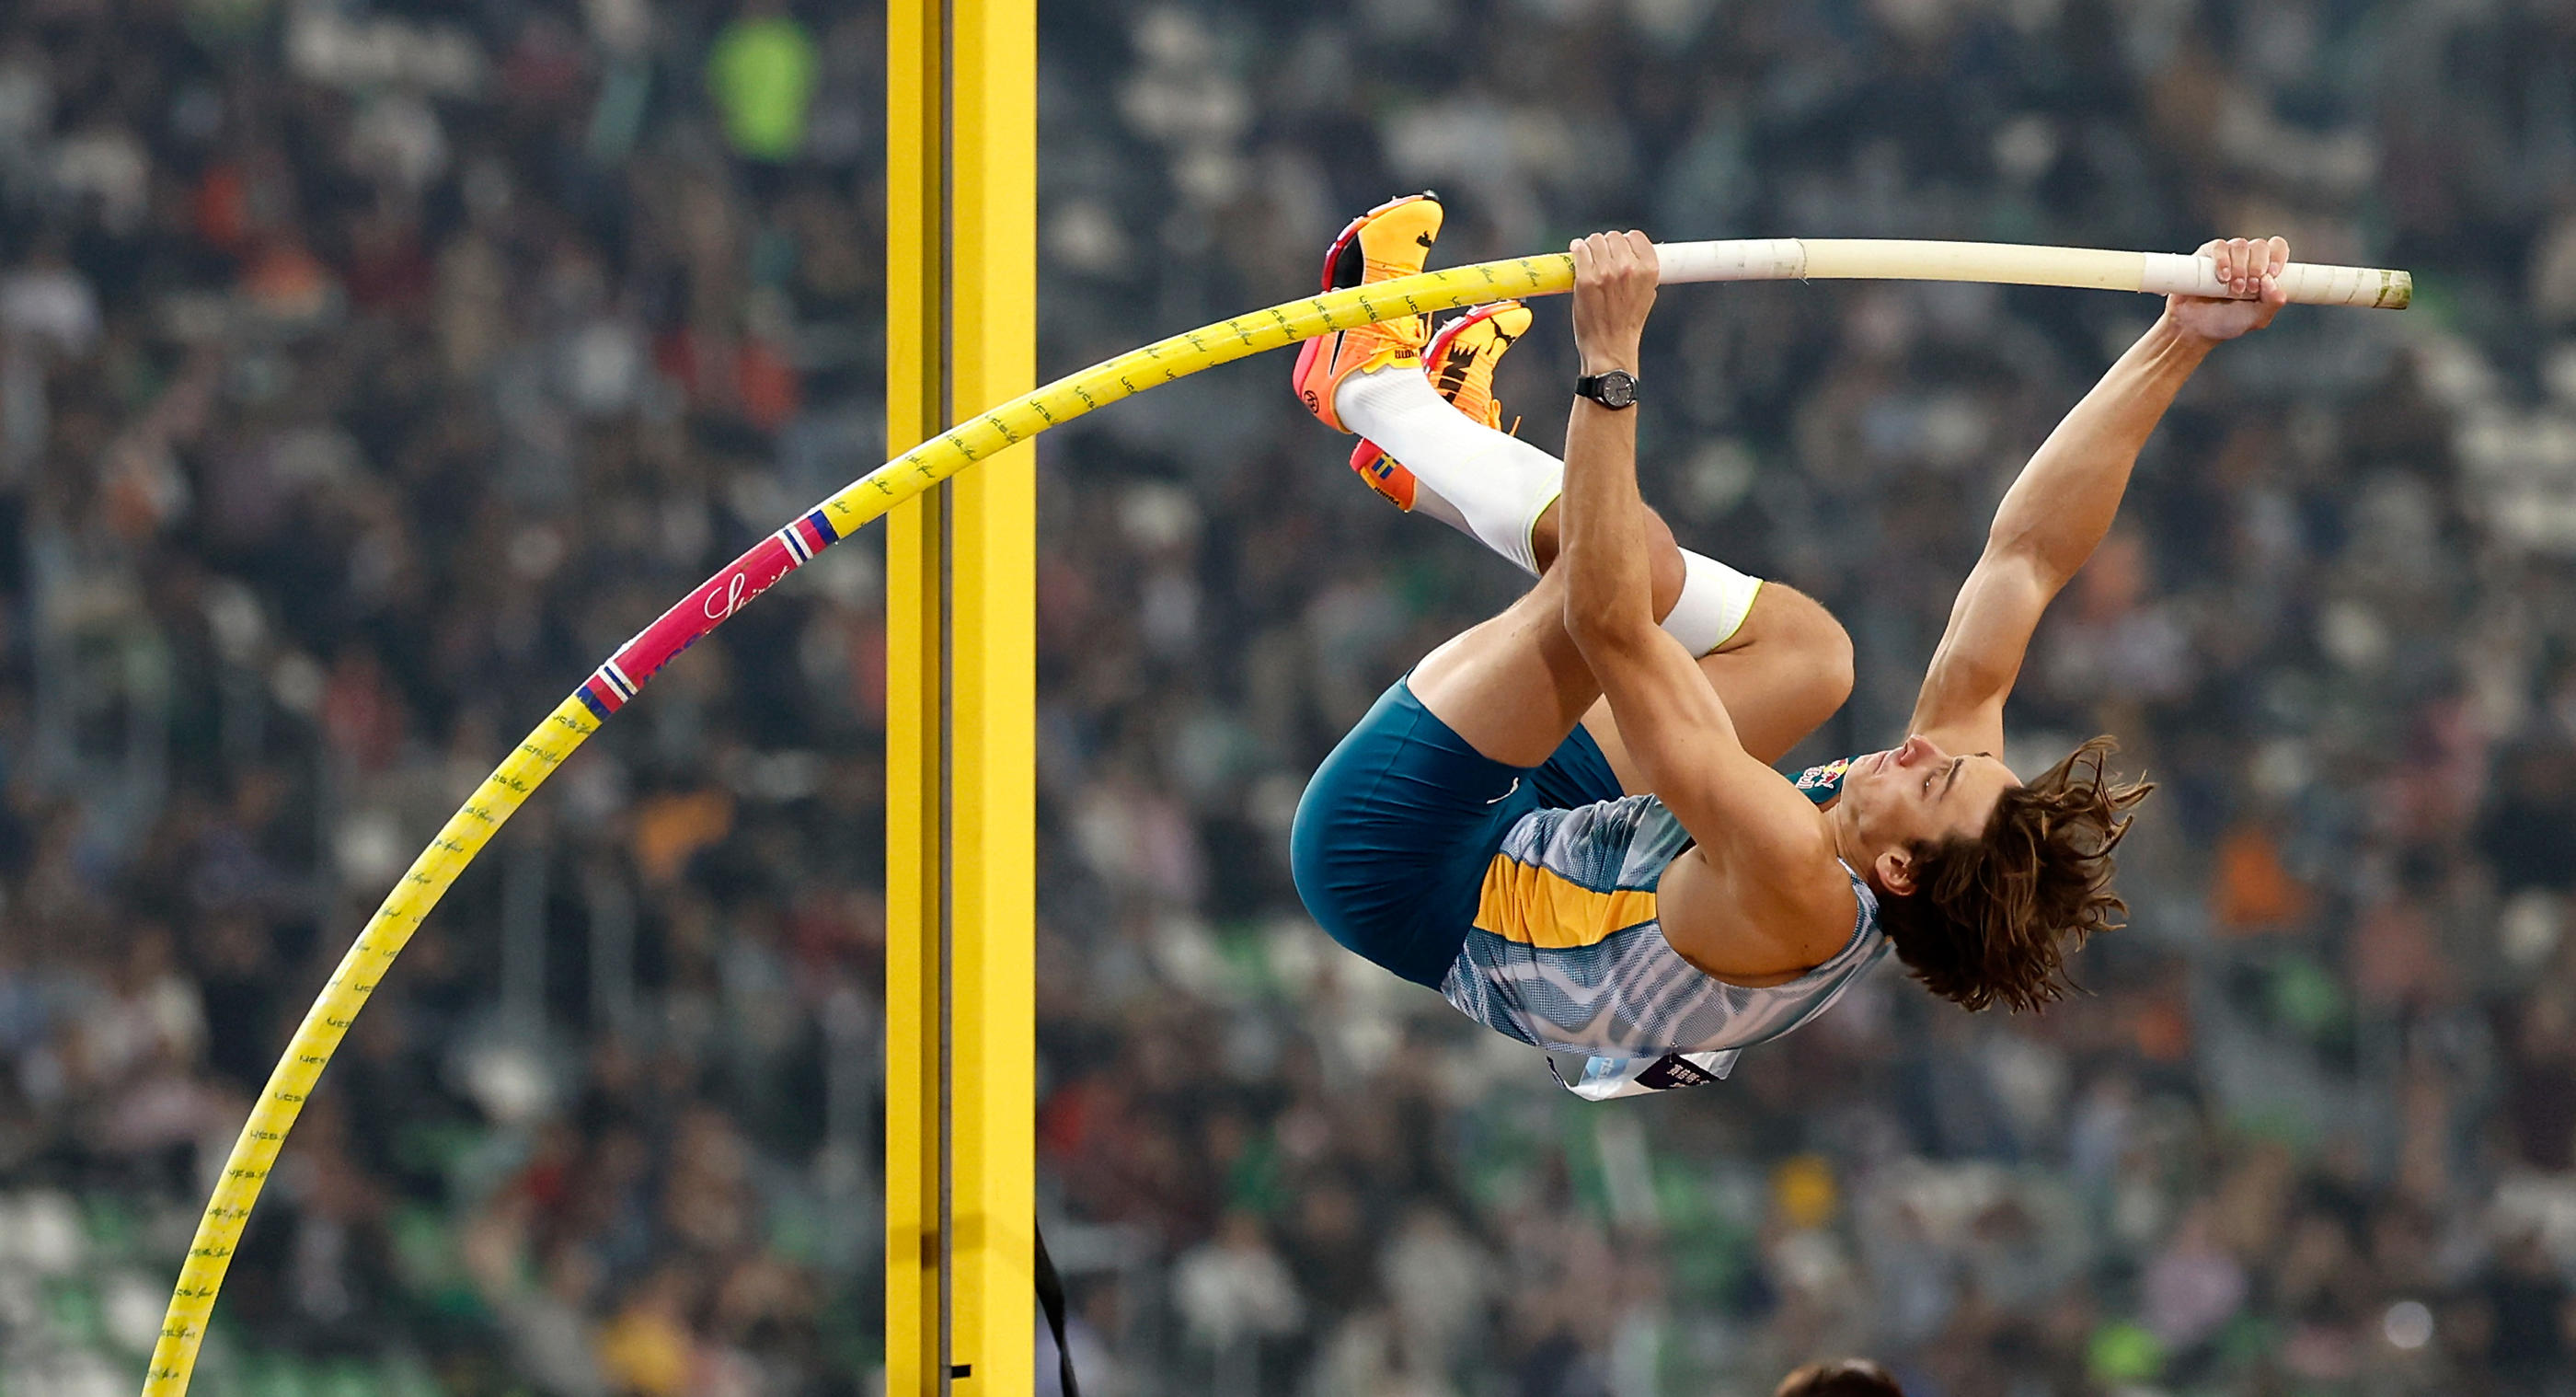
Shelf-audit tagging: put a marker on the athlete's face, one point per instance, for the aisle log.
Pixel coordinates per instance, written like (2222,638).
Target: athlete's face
(1919,794)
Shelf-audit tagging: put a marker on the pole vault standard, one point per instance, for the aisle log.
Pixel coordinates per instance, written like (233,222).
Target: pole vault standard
(961,706)
(984,436)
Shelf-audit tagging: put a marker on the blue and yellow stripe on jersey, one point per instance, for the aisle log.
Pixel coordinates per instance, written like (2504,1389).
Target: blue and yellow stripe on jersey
(1535,905)
(1568,879)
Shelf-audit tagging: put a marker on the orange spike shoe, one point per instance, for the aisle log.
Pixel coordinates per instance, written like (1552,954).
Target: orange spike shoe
(1461,363)
(1389,241)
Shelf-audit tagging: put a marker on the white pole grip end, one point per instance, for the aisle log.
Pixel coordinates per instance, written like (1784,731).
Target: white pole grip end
(2310,284)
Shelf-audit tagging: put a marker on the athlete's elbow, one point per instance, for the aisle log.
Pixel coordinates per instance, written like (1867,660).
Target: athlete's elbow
(1585,618)
(1601,620)
(2030,559)
(2046,555)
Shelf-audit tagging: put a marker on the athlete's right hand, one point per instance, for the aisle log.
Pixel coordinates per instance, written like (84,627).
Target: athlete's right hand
(2247,267)
(1614,289)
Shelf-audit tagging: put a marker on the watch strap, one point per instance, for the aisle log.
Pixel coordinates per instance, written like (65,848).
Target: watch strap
(1596,387)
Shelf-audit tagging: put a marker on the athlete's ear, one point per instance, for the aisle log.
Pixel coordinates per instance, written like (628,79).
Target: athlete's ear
(1895,870)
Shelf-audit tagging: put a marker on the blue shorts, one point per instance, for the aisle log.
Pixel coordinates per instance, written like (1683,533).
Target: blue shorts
(1394,834)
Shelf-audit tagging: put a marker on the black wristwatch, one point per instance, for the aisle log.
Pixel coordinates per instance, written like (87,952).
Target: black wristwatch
(1615,390)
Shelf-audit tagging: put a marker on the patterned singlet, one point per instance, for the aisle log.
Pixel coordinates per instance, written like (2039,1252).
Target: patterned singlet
(1567,953)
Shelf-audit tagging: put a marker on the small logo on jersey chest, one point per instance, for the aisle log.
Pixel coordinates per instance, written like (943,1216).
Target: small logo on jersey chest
(1824,778)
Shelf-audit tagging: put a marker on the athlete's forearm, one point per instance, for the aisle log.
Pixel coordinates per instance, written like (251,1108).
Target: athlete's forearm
(1602,530)
(2063,504)
(1601,523)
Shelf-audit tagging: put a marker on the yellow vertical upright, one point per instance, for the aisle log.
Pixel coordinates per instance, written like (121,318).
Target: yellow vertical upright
(961,279)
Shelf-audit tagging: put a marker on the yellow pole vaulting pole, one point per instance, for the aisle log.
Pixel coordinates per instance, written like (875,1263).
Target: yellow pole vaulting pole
(618,679)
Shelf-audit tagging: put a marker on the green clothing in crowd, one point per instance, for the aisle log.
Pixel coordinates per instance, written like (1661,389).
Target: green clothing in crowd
(762,74)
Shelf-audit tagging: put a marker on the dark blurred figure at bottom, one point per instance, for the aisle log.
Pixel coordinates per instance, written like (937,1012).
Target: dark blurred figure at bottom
(1841,1377)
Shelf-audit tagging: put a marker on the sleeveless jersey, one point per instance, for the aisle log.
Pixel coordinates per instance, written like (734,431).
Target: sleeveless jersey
(1567,952)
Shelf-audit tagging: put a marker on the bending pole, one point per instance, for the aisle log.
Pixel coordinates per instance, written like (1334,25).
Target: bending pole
(616,682)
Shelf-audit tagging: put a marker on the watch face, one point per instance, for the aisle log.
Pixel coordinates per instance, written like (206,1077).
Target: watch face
(1617,388)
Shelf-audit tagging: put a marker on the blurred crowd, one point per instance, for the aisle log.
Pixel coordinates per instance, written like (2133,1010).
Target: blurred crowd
(368,371)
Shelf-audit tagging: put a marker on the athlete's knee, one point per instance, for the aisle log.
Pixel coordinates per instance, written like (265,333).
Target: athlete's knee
(1816,647)
(1669,572)
(1660,544)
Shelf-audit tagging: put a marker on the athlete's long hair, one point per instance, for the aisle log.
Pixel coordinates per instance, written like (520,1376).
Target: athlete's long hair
(1992,919)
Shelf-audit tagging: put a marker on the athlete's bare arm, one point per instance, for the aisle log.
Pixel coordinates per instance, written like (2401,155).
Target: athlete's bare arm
(2060,508)
(1761,898)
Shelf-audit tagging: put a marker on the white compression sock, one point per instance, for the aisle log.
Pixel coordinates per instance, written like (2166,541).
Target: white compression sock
(1715,600)
(1497,483)
(1493,487)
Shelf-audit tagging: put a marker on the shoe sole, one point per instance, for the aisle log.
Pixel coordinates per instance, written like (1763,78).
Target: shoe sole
(1345,262)
(1436,353)
(1345,266)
